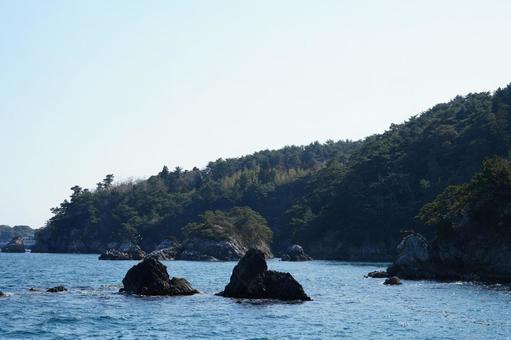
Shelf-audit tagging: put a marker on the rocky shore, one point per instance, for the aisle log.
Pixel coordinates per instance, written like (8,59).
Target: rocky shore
(463,257)
(15,245)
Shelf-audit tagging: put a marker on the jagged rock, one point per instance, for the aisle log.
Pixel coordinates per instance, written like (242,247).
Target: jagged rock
(394,280)
(150,277)
(166,254)
(413,260)
(378,274)
(295,253)
(133,253)
(251,279)
(2,294)
(15,245)
(57,289)
(198,249)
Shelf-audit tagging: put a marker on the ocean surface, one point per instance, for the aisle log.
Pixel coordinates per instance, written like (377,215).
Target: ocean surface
(345,304)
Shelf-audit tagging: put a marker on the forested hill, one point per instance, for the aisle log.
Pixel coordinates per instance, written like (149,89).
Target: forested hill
(146,212)
(344,200)
(357,210)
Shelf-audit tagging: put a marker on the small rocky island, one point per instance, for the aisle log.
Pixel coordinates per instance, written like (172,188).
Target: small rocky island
(295,253)
(226,236)
(15,245)
(150,277)
(251,279)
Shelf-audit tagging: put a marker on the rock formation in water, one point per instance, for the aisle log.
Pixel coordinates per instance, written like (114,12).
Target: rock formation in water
(413,259)
(15,245)
(200,249)
(164,254)
(150,277)
(378,274)
(251,279)
(166,250)
(57,289)
(394,280)
(132,253)
(295,253)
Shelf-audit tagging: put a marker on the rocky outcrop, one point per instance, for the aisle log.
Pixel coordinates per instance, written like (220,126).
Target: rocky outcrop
(378,274)
(150,277)
(251,279)
(164,254)
(295,253)
(413,260)
(394,280)
(199,249)
(132,253)
(57,289)
(466,256)
(166,250)
(15,245)
(2,294)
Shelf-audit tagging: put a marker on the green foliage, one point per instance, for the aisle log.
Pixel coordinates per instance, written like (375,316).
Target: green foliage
(238,223)
(382,186)
(328,196)
(483,203)
(148,211)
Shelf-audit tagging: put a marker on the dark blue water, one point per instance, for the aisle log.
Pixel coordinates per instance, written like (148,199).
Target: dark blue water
(345,304)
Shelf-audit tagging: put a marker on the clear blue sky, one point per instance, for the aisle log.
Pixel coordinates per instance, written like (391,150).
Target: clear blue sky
(95,87)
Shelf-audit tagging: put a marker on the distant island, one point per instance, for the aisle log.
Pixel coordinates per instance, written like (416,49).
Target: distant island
(7,233)
(344,200)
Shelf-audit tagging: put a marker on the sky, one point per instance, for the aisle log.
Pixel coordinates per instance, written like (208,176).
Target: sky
(89,88)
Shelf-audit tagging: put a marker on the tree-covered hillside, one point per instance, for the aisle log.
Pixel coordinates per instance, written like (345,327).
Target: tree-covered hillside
(343,200)
(357,209)
(148,211)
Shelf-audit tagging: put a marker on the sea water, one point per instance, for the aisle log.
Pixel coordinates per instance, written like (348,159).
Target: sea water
(345,304)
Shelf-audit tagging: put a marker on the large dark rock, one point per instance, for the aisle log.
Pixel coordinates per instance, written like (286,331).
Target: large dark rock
(200,249)
(2,294)
(295,253)
(251,279)
(15,245)
(150,277)
(132,253)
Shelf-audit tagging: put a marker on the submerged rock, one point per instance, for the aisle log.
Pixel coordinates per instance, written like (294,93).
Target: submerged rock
(251,279)
(150,277)
(378,274)
(295,253)
(132,253)
(394,280)
(57,289)
(15,245)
